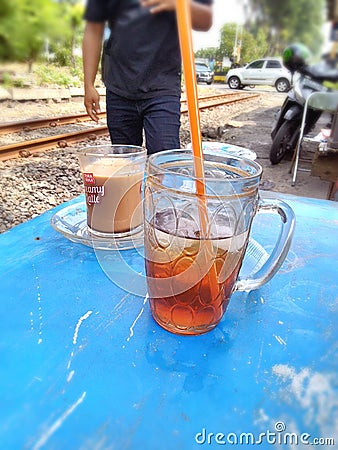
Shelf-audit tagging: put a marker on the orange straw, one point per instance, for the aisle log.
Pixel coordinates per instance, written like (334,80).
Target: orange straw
(184,30)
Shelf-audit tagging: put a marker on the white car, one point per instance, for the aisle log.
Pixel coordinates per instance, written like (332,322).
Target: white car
(265,71)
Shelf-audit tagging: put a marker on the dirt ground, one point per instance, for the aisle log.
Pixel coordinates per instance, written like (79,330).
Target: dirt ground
(252,130)
(246,126)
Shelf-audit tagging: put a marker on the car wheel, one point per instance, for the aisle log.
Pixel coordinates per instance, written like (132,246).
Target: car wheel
(209,82)
(282,85)
(234,83)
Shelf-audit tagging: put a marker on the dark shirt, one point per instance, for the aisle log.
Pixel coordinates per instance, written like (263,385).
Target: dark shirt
(142,56)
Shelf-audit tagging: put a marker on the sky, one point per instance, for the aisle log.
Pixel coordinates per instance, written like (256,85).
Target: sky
(224,11)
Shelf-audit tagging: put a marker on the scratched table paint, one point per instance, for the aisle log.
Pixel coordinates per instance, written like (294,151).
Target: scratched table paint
(84,366)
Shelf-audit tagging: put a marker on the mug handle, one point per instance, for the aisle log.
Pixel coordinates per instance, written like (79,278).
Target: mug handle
(278,254)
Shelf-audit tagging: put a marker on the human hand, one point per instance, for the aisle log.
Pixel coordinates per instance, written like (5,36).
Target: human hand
(157,6)
(92,103)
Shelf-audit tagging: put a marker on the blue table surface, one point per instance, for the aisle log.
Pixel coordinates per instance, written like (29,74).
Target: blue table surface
(84,365)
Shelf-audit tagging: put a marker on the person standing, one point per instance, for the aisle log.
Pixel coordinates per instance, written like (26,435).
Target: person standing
(141,67)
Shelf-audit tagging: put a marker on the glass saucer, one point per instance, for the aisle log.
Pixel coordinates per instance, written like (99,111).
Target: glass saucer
(71,222)
(233,150)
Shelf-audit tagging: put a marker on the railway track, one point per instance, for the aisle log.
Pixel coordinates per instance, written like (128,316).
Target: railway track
(27,147)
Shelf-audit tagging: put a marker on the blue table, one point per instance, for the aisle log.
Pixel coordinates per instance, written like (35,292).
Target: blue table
(84,366)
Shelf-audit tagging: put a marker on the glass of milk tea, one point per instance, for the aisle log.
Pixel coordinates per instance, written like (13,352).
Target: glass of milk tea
(112,177)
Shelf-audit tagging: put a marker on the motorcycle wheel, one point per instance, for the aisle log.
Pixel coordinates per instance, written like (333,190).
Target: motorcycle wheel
(282,138)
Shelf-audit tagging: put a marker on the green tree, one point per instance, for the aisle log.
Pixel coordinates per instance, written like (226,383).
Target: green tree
(72,12)
(7,10)
(249,46)
(30,25)
(26,27)
(228,40)
(208,53)
(288,21)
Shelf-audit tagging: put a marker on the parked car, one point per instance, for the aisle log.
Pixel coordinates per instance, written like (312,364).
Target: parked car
(265,71)
(204,73)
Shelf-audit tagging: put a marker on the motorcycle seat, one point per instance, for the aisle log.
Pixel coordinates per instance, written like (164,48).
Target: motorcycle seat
(320,74)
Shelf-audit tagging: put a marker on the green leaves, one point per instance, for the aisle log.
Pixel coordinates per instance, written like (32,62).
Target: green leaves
(269,27)
(289,21)
(251,46)
(28,29)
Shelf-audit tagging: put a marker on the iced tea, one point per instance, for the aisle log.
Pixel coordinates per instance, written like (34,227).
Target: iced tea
(182,297)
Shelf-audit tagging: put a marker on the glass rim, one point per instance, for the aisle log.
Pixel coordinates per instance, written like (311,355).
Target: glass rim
(94,150)
(221,153)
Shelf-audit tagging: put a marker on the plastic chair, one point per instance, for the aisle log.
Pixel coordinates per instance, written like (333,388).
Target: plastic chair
(324,101)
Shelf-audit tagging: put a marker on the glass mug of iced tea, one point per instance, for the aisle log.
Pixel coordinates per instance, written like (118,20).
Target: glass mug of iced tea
(112,177)
(195,244)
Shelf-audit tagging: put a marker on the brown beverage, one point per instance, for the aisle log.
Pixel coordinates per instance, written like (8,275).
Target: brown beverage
(182,297)
(195,243)
(113,196)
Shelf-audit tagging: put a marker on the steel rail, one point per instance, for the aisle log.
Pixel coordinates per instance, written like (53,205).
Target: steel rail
(210,97)
(29,125)
(224,102)
(28,147)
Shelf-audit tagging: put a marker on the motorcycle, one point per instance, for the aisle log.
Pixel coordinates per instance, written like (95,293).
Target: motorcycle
(306,80)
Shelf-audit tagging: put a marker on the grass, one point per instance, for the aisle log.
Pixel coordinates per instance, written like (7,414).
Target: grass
(42,75)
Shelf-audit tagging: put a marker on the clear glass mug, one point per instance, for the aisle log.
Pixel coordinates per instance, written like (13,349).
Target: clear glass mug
(194,245)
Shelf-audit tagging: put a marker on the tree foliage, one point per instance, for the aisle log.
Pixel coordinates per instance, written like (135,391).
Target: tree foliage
(7,11)
(269,27)
(73,26)
(249,46)
(27,26)
(288,21)
(207,53)
(39,20)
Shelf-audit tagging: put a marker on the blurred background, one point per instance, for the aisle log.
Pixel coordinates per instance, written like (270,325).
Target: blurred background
(40,40)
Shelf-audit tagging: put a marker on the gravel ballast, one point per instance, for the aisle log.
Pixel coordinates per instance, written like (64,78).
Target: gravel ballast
(32,185)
